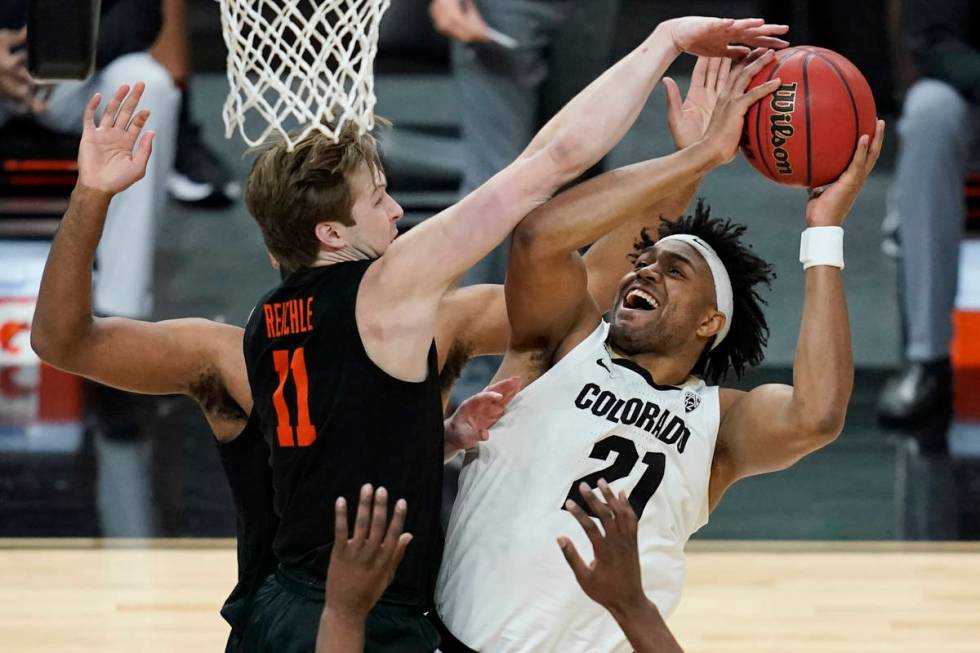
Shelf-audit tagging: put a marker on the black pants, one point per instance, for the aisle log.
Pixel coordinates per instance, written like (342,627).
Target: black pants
(286,615)
(449,643)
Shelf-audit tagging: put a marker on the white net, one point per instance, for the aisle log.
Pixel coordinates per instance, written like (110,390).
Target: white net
(300,64)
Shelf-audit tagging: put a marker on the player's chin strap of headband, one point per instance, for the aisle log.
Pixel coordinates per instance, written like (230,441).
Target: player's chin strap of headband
(724,297)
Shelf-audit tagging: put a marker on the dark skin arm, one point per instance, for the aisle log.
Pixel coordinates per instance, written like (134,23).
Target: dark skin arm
(473,320)
(548,303)
(613,578)
(773,426)
(195,357)
(361,568)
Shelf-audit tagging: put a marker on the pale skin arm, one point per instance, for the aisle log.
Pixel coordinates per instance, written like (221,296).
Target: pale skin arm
(399,296)
(171,357)
(473,320)
(613,578)
(771,427)
(547,299)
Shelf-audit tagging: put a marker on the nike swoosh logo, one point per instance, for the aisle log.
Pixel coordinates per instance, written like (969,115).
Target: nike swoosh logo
(602,364)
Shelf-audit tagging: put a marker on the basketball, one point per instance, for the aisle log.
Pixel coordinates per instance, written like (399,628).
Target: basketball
(805,133)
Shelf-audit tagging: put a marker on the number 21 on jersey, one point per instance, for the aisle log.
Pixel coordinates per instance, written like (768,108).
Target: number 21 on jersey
(626,459)
(304,433)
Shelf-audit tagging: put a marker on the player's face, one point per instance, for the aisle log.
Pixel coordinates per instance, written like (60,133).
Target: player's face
(663,300)
(374,211)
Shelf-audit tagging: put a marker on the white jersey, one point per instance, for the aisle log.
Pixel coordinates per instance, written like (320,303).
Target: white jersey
(504,585)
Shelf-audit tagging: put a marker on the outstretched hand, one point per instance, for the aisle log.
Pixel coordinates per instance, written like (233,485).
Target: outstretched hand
(363,565)
(828,206)
(471,422)
(689,120)
(612,579)
(723,37)
(107,161)
(728,118)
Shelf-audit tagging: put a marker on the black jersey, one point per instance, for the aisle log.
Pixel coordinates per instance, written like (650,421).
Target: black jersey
(335,420)
(246,463)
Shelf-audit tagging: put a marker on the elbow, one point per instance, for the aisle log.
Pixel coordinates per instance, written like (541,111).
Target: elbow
(820,430)
(49,349)
(569,157)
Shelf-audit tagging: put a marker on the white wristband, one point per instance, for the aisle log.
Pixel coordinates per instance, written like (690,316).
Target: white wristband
(822,246)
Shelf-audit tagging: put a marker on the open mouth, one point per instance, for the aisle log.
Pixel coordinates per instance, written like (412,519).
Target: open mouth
(640,300)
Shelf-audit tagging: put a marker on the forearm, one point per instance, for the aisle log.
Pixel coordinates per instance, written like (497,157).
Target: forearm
(64,305)
(598,117)
(340,633)
(585,213)
(608,259)
(823,369)
(645,629)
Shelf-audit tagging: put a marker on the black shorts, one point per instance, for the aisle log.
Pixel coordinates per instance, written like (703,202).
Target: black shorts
(449,642)
(286,615)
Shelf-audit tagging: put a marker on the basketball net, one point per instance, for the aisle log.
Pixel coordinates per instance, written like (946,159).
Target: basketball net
(300,64)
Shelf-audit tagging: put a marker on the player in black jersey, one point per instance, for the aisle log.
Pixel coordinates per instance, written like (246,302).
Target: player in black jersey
(196,357)
(203,359)
(341,357)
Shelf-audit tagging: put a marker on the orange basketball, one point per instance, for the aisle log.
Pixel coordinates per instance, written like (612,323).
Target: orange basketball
(805,133)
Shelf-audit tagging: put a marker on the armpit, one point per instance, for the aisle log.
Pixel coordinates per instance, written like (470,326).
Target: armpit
(211,393)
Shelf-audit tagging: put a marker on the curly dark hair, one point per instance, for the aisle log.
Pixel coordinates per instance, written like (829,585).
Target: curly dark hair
(749,332)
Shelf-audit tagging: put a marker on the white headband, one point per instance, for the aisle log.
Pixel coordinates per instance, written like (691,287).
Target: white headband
(724,297)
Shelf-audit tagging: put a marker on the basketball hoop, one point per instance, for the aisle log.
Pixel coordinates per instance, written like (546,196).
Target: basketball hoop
(300,64)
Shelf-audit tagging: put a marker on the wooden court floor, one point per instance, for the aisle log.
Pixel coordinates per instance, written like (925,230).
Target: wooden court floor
(740,597)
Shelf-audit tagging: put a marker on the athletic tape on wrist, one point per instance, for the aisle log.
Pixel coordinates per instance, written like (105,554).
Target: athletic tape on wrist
(822,246)
(724,297)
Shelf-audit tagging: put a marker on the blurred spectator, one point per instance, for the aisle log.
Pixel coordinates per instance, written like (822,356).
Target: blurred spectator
(939,116)
(199,176)
(126,29)
(510,85)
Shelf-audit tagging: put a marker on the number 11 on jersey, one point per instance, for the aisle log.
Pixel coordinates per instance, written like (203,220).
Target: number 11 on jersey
(305,433)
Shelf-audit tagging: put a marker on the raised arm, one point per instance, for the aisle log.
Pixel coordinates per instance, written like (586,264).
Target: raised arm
(547,297)
(419,267)
(773,426)
(613,579)
(361,568)
(607,260)
(196,357)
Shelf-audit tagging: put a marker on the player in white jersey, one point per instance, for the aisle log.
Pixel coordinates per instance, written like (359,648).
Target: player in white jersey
(629,402)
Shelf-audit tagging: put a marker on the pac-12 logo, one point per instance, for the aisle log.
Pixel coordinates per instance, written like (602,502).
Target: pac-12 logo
(691,401)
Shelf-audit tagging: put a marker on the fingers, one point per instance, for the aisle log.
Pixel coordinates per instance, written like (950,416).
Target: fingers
(399,552)
(768,42)
(699,75)
(340,523)
(363,519)
(761,91)
(591,530)
(713,66)
(724,70)
(129,106)
(607,494)
(18,38)
(754,62)
(876,144)
(397,524)
(144,150)
(139,122)
(109,115)
(625,515)
(574,560)
(736,52)
(507,388)
(674,101)
(88,117)
(379,516)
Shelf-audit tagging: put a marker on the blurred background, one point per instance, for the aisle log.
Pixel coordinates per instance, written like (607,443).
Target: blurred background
(78,460)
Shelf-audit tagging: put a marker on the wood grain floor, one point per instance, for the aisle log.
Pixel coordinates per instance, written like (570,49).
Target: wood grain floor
(86,595)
